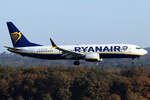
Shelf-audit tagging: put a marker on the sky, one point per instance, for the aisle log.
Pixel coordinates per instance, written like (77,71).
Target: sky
(77,21)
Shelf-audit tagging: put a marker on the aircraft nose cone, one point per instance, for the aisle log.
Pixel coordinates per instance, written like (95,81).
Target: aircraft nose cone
(145,52)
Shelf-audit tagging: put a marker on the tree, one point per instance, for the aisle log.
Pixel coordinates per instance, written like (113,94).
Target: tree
(115,97)
(85,87)
(47,96)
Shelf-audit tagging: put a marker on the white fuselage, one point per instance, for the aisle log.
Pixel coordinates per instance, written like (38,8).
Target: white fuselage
(104,50)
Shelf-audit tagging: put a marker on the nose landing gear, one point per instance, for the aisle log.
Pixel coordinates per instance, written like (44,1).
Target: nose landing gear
(133,62)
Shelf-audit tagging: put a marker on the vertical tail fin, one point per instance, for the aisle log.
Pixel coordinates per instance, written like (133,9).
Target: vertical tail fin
(18,39)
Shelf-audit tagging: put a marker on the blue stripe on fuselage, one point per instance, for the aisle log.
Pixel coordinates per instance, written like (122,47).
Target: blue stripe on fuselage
(44,56)
(60,56)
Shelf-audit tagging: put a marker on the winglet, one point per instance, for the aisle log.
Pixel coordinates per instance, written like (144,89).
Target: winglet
(53,44)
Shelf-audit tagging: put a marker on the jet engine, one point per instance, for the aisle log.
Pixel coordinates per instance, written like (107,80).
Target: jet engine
(93,57)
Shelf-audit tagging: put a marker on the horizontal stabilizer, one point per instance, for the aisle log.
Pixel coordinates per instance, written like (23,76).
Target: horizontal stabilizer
(11,49)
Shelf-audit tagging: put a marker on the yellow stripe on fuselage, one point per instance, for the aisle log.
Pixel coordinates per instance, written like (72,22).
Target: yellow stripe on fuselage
(120,53)
(83,53)
(115,53)
(31,52)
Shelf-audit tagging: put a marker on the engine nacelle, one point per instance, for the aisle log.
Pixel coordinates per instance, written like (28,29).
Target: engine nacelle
(93,57)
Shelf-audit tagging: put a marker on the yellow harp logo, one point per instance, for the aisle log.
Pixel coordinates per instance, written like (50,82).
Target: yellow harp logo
(16,36)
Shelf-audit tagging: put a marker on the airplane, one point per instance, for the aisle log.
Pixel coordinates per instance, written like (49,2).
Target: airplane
(90,53)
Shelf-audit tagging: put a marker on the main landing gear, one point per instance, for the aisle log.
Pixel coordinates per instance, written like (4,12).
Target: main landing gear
(76,63)
(133,60)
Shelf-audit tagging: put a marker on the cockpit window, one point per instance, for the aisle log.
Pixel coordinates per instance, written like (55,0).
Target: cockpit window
(138,48)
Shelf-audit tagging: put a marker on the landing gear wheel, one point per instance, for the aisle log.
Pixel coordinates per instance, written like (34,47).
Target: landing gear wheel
(133,61)
(76,63)
(98,63)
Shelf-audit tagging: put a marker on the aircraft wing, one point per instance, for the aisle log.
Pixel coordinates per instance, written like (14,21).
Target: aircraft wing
(67,52)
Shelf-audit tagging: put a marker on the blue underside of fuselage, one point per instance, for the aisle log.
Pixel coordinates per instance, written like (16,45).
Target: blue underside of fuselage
(60,56)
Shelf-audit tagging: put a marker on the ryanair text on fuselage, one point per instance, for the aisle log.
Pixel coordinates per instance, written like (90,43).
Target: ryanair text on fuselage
(101,49)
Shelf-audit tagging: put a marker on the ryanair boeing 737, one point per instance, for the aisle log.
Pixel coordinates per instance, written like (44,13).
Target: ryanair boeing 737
(91,53)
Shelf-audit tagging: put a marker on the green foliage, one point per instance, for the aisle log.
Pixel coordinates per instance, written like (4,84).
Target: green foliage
(89,86)
(115,97)
(74,83)
(132,96)
(47,97)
